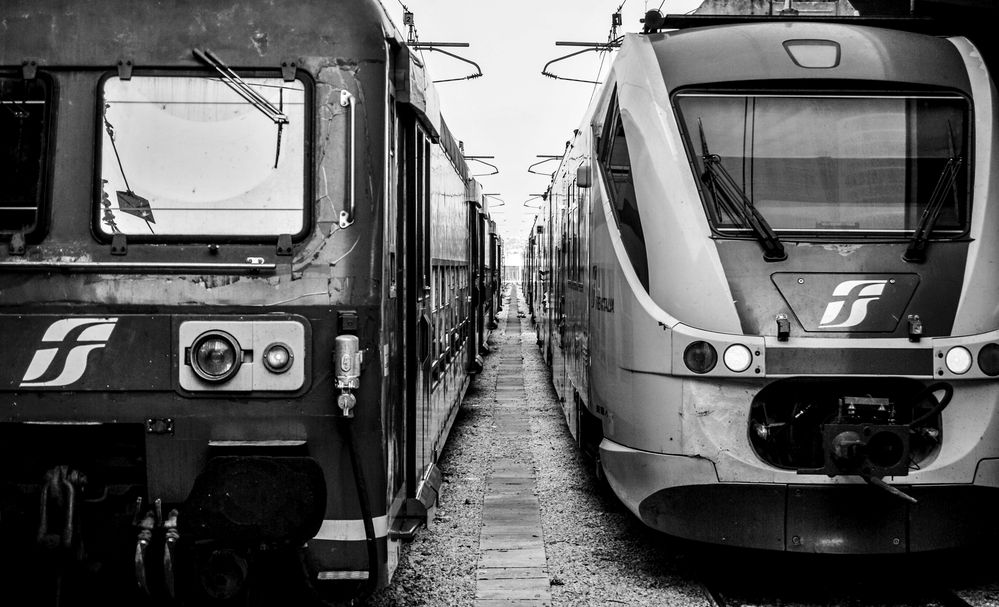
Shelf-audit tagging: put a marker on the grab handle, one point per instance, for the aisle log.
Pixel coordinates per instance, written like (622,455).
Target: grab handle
(347,216)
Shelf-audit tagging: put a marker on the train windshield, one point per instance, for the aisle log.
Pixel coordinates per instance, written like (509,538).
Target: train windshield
(831,164)
(23,125)
(189,156)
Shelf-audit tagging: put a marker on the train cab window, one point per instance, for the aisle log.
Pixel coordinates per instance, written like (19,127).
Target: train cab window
(24,128)
(831,165)
(616,165)
(189,156)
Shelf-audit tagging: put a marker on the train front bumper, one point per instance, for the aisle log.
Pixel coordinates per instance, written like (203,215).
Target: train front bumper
(682,496)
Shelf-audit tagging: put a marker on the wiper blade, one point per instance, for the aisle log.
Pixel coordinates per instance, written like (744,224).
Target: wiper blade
(726,191)
(244,90)
(916,251)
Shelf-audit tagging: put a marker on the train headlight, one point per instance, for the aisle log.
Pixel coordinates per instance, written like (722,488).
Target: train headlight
(737,358)
(958,360)
(988,359)
(215,356)
(278,358)
(700,357)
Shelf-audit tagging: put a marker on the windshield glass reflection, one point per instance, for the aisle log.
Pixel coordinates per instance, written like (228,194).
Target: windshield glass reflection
(833,164)
(188,156)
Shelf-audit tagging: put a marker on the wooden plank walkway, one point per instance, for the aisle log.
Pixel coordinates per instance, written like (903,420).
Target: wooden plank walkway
(512,568)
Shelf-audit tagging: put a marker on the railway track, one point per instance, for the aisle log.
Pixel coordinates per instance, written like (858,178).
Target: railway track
(942,597)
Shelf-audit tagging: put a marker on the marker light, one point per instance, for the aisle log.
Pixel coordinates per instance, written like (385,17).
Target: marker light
(277,358)
(988,359)
(821,54)
(738,358)
(958,360)
(700,357)
(215,356)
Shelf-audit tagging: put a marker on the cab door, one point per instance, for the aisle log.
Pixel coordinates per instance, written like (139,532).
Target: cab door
(414,239)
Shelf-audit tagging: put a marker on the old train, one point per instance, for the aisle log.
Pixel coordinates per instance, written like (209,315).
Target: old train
(763,278)
(246,281)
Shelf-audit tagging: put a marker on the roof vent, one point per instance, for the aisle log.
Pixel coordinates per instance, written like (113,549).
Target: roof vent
(813,54)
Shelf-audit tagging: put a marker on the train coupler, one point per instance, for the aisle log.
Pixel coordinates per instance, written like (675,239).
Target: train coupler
(865,439)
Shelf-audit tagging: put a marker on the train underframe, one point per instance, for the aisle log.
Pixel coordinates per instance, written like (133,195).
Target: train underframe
(87,528)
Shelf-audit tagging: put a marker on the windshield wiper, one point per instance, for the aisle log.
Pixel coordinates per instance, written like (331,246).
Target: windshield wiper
(244,90)
(737,205)
(916,251)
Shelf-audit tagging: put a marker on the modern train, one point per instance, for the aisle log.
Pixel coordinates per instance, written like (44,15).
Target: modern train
(763,278)
(248,278)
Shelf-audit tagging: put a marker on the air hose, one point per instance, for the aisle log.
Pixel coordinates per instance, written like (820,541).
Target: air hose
(362,495)
(940,405)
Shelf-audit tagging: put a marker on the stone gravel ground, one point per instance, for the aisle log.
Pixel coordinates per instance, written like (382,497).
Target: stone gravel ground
(438,567)
(599,554)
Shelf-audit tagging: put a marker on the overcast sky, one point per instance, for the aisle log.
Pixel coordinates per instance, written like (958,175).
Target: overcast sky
(513,112)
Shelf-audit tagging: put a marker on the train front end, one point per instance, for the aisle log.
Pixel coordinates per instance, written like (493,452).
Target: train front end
(189,273)
(801,344)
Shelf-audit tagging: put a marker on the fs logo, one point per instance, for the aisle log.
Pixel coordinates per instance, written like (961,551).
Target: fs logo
(851,310)
(71,341)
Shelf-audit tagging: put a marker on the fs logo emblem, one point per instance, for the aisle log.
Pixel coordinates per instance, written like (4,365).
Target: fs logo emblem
(70,342)
(851,309)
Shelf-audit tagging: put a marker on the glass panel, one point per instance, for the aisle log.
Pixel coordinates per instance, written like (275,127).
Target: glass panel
(834,164)
(189,156)
(22,151)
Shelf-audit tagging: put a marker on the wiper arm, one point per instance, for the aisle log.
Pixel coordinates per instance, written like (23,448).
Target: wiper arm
(725,190)
(916,252)
(244,90)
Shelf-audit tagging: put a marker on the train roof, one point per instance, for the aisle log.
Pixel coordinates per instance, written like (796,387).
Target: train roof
(972,19)
(245,33)
(760,51)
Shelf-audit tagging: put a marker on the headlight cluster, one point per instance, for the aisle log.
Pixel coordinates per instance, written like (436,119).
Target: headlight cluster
(216,356)
(701,357)
(959,360)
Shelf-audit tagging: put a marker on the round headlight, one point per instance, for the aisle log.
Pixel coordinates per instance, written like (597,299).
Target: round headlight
(958,360)
(738,358)
(988,359)
(215,356)
(700,357)
(277,358)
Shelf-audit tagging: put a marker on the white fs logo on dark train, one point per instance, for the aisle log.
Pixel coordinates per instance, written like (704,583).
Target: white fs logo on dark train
(61,359)
(849,306)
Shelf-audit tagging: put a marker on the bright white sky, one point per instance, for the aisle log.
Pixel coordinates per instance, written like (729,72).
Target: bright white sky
(513,112)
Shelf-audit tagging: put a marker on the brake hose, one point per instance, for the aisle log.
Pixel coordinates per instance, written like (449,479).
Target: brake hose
(940,405)
(362,494)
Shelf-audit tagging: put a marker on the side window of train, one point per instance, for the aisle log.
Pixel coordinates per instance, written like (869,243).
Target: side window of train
(616,165)
(184,155)
(24,122)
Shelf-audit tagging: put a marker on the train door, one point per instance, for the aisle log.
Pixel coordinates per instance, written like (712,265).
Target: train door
(548,281)
(393,313)
(474,280)
(583,276)
(558,311)
(573,308)
(414,163)
(482,268)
